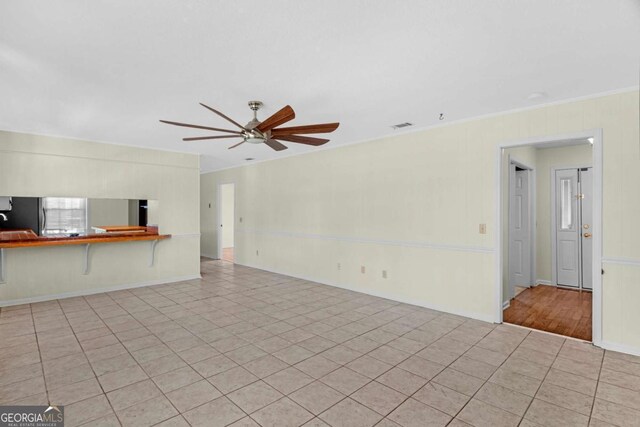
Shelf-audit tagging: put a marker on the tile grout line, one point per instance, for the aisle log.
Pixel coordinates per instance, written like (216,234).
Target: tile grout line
(487,380)
(344,366)
(35,333)
(163,343)
(595,393)
(104,393)
(543,380)
(102,320)
(397,365)
(445,367)
(263,300)
(337,344)
(341,366)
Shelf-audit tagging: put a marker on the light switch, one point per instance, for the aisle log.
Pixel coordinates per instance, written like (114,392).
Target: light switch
(483,228)
(362,269)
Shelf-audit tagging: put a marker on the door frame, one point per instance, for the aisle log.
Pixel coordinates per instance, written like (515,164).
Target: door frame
(547,142)
(554,223)
(512,160)
(219,218)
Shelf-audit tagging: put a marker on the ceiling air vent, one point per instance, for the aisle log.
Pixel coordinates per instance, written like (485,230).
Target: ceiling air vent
(402,125)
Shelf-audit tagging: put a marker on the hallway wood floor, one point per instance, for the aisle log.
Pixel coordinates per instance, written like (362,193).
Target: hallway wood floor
(547,308)
(227,254)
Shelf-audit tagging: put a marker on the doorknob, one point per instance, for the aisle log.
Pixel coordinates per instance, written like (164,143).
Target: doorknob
(587,235)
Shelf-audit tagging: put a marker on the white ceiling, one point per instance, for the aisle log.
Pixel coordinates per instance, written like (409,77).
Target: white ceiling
(108,70)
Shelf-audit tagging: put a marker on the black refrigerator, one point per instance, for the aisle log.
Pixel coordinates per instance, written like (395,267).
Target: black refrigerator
(26,212)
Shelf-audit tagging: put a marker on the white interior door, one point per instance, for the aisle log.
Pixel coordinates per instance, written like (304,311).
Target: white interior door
(567,228)
(586,209)
(519,229)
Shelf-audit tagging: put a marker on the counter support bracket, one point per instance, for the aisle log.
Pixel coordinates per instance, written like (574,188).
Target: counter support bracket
(152,257)
(85,267)
(2,265)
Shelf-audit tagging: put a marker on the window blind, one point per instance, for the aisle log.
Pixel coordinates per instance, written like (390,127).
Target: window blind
(65,215)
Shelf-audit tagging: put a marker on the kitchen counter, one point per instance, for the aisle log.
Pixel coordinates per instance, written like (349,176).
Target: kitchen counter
(21,238)
(26,238)
(17,234)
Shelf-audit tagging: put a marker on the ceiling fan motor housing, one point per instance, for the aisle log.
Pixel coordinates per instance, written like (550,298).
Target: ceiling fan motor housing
(252,135)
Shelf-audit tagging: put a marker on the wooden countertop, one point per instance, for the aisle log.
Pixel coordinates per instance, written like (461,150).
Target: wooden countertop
(22,238)
(17,234)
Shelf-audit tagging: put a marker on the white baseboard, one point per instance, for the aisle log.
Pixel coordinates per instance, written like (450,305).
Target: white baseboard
(506,305)
(620,348)
(93,291)
(544,282)
(540,331)
(209,256)
(390,296)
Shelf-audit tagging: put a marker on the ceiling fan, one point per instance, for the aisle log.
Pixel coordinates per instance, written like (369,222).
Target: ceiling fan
(257,132)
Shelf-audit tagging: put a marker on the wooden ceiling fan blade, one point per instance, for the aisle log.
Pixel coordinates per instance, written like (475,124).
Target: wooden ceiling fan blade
(201,138)
(303,139)
(281,116)
(223,116)
(316,128)
(187,125)
(275,145)
(235,145)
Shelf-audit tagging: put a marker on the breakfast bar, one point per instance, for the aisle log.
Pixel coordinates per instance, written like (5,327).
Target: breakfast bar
(26,238)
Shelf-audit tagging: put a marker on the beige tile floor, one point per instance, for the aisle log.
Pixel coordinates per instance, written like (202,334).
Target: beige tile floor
(244,347)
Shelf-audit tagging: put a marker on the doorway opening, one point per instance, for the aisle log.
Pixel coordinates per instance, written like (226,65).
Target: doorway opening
(550,239)
(226,222)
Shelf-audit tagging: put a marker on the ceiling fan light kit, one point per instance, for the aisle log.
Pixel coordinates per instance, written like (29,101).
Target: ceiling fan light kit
(267,132)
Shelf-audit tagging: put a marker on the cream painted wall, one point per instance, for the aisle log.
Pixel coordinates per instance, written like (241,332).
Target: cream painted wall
(32,165)
(108,212)
(547,158)
(208,220)
(134,214)
(227,201)
(411,205)
(153,212)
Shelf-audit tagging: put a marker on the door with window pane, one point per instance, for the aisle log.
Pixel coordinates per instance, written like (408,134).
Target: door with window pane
(567,228)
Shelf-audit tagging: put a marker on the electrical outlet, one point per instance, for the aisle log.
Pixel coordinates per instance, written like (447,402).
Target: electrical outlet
(257,253)
(339,266)
(483,229)
(362,270)
(240,219)
(209,205)
(384,274)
